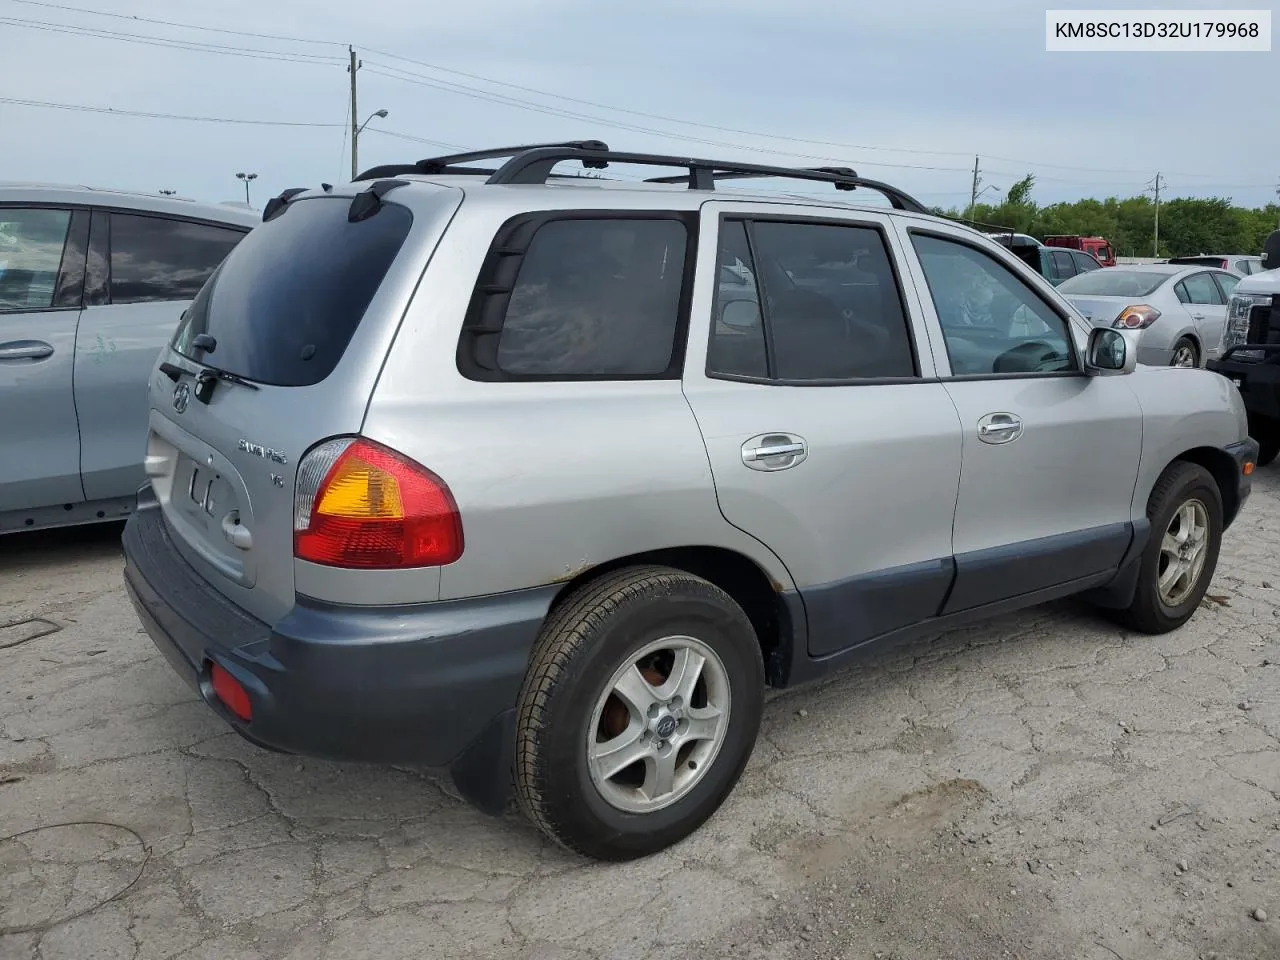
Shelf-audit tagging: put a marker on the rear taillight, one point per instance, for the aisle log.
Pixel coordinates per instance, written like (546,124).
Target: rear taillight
(1136,317)
(359,504)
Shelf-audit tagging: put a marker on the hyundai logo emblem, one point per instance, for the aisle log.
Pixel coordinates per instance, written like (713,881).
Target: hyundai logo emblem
(181,397)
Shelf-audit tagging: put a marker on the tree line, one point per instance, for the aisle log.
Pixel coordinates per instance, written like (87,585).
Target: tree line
(1188,225)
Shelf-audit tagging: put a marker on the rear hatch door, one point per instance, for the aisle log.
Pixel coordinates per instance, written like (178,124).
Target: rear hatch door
(301,313)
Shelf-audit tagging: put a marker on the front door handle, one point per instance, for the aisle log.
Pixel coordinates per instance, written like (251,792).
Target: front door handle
(25,350)
(999,428)
(774,451)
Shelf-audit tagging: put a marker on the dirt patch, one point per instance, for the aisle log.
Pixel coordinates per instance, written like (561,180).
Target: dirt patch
(900,885)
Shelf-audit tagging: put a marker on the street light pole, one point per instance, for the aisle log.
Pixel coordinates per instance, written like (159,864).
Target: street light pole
(356,131)
(246,177)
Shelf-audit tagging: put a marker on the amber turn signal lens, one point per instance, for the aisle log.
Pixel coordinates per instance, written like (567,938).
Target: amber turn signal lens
(1247,469)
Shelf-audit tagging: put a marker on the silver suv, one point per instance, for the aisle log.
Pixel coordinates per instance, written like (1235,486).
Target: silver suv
(92,283)
(545,478)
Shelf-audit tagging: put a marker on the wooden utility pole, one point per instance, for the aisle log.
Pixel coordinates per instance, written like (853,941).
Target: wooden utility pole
(1157,185)
(973,194)
(355,117)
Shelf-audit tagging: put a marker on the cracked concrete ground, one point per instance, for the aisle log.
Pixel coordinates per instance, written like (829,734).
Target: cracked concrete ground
(1041,786)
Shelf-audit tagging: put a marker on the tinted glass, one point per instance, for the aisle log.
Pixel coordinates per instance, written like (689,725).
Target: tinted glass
(1227,284)
(737,331)
(1202,290)
(1084,262)
(153,258)
(832,303)
(991,320)
(1062,265)
(597,298)
(1103,253)
(284,304)
(31,242)
(1113,282)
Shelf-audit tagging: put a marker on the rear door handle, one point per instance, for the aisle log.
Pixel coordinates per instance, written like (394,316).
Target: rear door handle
(1197,316)
(774,451)
(999,428)
(25,350)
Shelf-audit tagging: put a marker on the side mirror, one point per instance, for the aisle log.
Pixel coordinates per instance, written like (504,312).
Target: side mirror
(1109,353)
(1271,251)
(740,314)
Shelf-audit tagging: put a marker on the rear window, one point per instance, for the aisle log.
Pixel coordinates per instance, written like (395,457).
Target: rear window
(1113,282)
(285,303)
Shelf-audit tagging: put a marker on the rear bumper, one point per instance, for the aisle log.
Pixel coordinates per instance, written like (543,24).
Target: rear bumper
(1258,381)
(432,684)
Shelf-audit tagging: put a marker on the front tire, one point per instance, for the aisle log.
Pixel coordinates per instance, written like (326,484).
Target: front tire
(1185,353)
(1178,562)
(639,712)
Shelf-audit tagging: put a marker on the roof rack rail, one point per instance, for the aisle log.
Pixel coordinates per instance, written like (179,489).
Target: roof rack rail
(732,174)
(535,165)
(449,163)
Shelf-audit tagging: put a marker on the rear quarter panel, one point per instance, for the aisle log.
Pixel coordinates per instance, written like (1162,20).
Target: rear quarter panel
(1182,410)
(551,478)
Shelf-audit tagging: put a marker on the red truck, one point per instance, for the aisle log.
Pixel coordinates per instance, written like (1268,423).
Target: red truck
(1097,246)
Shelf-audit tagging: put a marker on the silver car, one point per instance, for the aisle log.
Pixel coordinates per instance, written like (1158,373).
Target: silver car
(92,284)
(545,479)
(1241,263)
(1179,312)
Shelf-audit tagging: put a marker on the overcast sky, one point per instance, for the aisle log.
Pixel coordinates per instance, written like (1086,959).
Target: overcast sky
(899,86)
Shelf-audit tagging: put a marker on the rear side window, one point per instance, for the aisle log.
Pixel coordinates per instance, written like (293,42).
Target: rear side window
(31,244)
(593,297)
(285,303)
(157,259)
(817,302)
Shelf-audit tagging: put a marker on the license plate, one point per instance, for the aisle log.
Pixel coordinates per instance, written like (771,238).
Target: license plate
(201,489)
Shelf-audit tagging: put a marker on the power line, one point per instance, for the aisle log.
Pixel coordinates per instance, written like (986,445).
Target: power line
(85,108)
(194,46)
(173,23)
(410,137)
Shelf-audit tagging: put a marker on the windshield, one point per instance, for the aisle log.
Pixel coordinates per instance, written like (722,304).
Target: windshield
(1113,282)
(285,303)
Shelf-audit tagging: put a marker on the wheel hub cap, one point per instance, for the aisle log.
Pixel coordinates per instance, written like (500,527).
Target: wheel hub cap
(1183,550)
(658,724)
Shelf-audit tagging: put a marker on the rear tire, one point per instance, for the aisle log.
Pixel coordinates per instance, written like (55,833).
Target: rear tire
(1266,430)
(665,667)
(1185,353)
(1178,562)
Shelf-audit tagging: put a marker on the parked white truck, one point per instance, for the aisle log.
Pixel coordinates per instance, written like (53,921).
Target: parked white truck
(1251,349)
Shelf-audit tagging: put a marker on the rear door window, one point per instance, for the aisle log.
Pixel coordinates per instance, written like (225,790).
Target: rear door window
(831,305)
(285,303)
(1084,262)
(1202,290)
(31,246)
(159,258)
(1227,284)
(1063,267)
(595,297)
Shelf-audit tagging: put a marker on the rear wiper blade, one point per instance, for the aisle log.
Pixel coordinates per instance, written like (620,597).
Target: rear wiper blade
(215,373)
(206,377)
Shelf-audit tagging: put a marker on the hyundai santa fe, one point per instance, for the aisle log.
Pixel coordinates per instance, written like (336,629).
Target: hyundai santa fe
(544,479)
